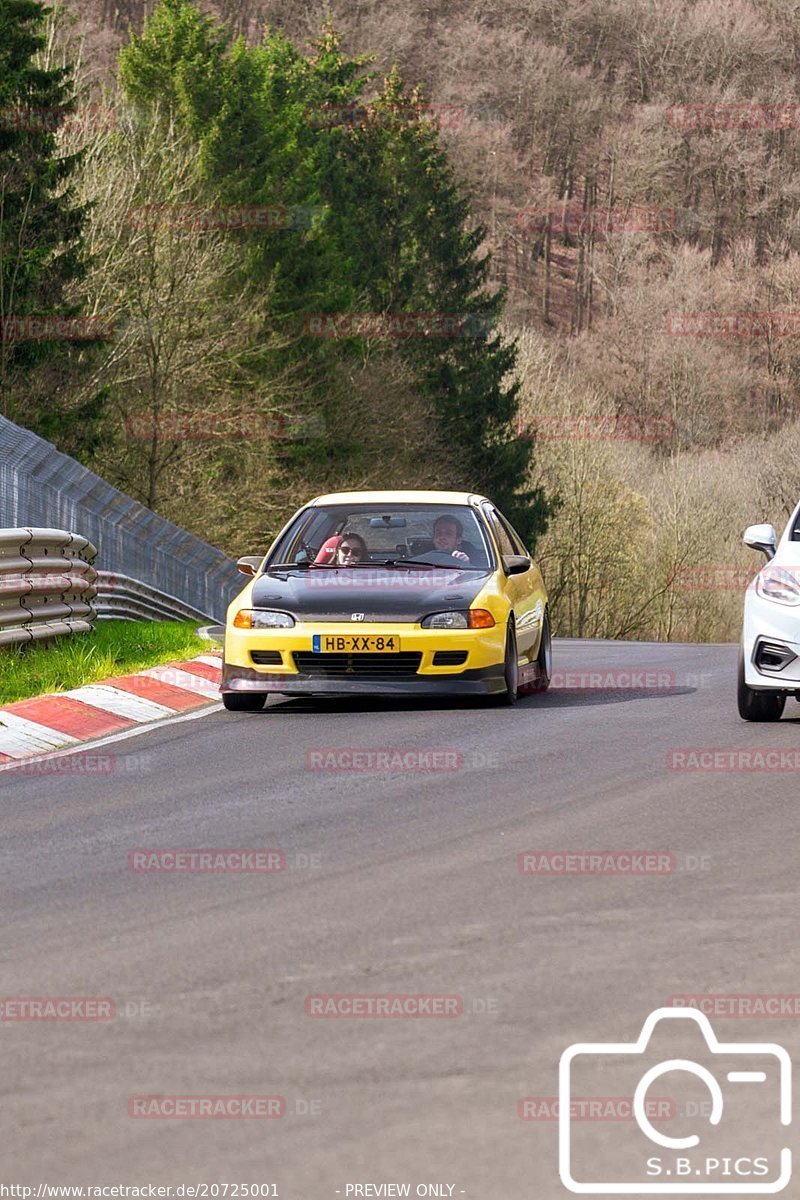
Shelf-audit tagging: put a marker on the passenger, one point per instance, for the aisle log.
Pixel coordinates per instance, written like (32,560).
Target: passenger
(327,551)
(352,549)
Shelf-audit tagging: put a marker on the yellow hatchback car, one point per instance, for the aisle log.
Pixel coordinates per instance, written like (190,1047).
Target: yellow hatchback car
(389,593)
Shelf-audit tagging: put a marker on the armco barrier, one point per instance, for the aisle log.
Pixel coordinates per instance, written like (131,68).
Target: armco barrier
(128,599)
(41,486)
(47,584)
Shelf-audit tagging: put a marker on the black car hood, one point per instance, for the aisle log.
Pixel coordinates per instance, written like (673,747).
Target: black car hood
(381,594)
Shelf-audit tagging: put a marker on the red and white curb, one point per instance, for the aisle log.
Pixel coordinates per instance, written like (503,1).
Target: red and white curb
(83,714)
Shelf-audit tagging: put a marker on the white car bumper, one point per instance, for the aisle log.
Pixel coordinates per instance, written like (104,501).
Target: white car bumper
(771,632)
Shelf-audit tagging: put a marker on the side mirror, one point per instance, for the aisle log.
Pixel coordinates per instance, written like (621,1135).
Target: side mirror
(761,537)
(516,564)
(249,564)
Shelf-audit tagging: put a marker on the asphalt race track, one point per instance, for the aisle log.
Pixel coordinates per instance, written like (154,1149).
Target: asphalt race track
(405,882)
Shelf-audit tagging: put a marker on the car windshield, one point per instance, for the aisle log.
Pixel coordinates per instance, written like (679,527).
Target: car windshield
(358,535)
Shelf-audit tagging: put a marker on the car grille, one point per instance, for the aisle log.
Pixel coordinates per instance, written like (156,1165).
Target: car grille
(266,658)
(449,658)
(365,666)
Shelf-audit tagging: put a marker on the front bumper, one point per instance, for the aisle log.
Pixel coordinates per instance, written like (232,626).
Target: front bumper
(776,625)
(481,682)
(481,673)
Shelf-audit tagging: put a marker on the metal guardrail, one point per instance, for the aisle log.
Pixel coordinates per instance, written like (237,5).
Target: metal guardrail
(128,599)
(41,486)
(47,584)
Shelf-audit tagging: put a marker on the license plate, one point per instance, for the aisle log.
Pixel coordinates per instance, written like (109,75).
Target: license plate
(346,643)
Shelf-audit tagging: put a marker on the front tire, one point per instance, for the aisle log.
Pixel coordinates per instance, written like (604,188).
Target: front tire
(544,660)
(510,670)
(757,706)
(244,701)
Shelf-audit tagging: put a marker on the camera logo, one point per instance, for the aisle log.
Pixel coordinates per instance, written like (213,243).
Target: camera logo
(737,1147)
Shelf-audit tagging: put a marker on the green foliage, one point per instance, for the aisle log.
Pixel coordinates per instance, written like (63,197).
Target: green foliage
(112,648)
(391,230)
(41,251)
(177,61)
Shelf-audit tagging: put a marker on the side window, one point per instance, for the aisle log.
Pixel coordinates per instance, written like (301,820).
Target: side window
(516,540)
(503,540)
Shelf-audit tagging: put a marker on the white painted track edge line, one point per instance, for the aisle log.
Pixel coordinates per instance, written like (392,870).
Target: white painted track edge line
(121,736)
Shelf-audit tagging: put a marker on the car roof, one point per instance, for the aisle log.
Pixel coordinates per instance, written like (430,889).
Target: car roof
(398,497)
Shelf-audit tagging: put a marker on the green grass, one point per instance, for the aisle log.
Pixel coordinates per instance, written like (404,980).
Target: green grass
(113,648)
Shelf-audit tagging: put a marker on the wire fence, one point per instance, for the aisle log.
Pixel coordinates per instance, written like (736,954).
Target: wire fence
(40,486)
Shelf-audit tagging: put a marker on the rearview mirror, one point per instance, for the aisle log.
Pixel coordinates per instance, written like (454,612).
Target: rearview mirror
(516,564)
(761,537)
(249,563)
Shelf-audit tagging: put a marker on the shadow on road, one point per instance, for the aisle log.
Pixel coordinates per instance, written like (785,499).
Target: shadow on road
(572,697)
(556,698)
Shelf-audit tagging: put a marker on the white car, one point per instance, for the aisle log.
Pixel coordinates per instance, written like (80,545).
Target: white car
(769,658)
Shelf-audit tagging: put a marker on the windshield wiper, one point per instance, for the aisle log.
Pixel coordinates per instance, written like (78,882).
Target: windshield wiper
(420,562)
(331,566)
(455,564)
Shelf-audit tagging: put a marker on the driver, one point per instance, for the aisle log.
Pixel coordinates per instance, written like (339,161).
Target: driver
(447,538)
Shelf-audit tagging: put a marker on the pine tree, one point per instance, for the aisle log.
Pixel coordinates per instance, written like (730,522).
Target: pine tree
(177,63)
(40,224)
(420,253)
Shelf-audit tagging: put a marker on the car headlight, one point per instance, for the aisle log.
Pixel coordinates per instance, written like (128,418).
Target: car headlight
(780,585)
(262,618)
(446,620)
(471,618)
